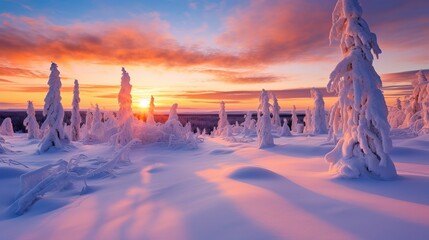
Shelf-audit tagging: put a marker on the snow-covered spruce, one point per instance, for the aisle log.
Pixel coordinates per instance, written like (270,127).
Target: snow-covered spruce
(31,123)
(54,112)
(366,143)
(75,114)
(125,114)
(308,120)
(319,114)
(249,125)
(6,127)
(223,123)
(396,116)
(263,126)
(294,120)
(150,119)
(275,120)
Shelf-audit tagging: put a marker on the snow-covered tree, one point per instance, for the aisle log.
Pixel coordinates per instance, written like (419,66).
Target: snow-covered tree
(75,114)
(54,112)
(365,146)
(419,92)
(308,120)
(319,114)
(31,123)
(276,122)
(88,120)
(125,98)
(223,123)
(6,127)
(285,132)
(264,136)
(396,116)
(150,119)
(398,104)
(125,114)
(294,120)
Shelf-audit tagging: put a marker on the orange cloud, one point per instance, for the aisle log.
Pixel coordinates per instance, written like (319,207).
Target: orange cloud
(240,77)
(20,72)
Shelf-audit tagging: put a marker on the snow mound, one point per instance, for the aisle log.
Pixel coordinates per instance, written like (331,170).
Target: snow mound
(256,173)
(10,172)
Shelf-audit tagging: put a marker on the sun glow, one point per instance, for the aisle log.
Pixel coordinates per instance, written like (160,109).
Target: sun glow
(144,103)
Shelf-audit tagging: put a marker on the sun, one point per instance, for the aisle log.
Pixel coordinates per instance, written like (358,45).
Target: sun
(144,103)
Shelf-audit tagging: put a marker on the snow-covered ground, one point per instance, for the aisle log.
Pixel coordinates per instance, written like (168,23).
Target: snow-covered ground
(222,190)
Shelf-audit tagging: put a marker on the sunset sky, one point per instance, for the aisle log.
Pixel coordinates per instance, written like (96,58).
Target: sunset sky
(196,53)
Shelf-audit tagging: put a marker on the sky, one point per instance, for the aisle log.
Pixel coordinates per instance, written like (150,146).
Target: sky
(196,53)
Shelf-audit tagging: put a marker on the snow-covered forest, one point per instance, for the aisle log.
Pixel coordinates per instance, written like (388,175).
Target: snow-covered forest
(355,170)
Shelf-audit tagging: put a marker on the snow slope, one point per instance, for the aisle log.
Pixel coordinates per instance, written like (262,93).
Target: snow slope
(222,190)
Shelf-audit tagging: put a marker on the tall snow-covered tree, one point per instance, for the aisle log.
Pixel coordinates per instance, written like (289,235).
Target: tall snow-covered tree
(319,114)
(308,120)
(125,98)
(31,123)
(150,119)
(223,123)
(275,121)
(264,136)
(364,148)
(294,120)
(76,119)
(6,127)
(125,114)
(54,112)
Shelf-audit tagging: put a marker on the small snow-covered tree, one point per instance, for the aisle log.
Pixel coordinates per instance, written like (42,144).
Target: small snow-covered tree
(54,112)
(223,123)
(319,114)
(150,119)
(308,120)
(365,146)
(75,114)
(264,136)
(419,92)
(285,132)
(396,115)
(294,120)
(125,114)
(6,127)
(31,123)
(275,121)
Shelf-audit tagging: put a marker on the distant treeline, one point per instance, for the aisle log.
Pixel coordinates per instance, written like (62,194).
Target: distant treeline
(201,121)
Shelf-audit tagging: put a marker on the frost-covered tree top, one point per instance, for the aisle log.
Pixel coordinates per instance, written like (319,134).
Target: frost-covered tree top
(366,141)
(173,113)
(124,98)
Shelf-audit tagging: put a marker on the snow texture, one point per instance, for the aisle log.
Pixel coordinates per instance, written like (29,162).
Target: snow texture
(75,114)
(365,146)
(264,136)
(54,136)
